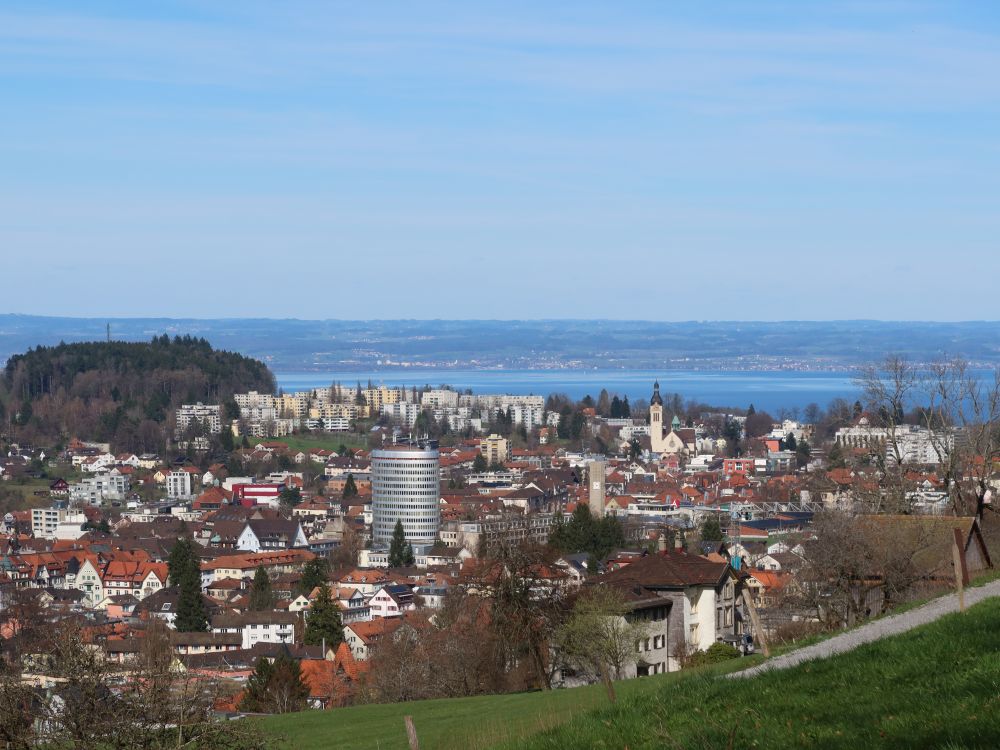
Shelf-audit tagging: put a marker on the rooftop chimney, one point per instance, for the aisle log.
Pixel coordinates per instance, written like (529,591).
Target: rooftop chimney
(661,545)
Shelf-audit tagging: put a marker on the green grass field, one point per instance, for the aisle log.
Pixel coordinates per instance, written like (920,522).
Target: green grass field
(936,686)
(328,440)
(453,723)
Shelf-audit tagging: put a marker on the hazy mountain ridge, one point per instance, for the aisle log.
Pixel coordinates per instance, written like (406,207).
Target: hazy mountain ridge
(290,344)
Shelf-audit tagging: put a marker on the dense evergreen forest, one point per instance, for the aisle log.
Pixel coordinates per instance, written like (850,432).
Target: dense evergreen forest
(122,392)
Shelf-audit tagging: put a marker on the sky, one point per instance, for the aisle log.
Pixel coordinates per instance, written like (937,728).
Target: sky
(631,160)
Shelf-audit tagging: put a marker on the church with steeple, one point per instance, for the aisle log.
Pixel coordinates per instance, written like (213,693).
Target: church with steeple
(661,442)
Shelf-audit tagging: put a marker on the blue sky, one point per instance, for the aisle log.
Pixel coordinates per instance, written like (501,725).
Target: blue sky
(654,160)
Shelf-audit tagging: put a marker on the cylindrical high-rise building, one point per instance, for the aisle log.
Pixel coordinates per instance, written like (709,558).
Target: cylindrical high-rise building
(406,486)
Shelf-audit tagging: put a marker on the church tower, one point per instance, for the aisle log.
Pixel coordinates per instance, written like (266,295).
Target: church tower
(656,442)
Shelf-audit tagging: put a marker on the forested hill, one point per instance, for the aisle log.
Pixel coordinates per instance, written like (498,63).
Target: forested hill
(123,392)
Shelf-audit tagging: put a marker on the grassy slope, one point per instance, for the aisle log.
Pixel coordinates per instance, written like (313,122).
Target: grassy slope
(449,723)
(328,440)
(936,686)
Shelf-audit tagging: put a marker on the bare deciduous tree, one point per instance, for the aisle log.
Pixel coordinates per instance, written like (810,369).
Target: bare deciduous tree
(598,637)
(856,565)
(963,415)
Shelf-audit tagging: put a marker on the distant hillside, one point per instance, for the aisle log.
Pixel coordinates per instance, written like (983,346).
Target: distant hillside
(365,345)
(123,392)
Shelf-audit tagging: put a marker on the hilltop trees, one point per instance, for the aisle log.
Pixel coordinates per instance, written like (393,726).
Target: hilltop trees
(123,392)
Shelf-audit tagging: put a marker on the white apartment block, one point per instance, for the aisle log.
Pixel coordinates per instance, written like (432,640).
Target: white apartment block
(179,485)
(254,400)
(94,490)
(329,410)
(208,414)
(402,412)
(330,424)
(439,398)
(57,523)
(913,444)
(263,428)
(259,414)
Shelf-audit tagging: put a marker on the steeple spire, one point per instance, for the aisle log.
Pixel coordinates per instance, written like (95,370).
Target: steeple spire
(656,399)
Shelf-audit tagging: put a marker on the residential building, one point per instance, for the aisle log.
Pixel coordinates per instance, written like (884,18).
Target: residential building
(209,415)
(179,485)
(439,397)
(495,449)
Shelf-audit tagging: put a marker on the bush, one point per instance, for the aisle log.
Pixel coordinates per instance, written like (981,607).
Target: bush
(714,654)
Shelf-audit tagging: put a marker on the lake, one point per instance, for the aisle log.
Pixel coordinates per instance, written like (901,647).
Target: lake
(770,391)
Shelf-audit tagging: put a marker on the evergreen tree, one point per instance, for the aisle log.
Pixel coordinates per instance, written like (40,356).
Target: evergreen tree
(261,595)
(563,428)
(790,443)
(626,409)
(180,561)
(275,688)
(185,574)
(835,458)
(397,547)
(604,403)
(323,622)
(255,698)
(479,464)
(711,531)
(634,449)
(583,533)
(616,407)
(290,497)
(802,453)
(350,488)
(408,557)
(314,573)
(751,411)
(192,615)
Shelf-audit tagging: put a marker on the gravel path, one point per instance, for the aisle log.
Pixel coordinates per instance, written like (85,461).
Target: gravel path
(873,631)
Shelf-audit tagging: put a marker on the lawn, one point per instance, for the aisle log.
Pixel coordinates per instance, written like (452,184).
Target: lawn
(453,724)
(936,686)
(19,494)
(328,440)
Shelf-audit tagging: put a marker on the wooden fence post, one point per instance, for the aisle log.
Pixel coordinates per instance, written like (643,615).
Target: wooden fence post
(961,571)
(411,733)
